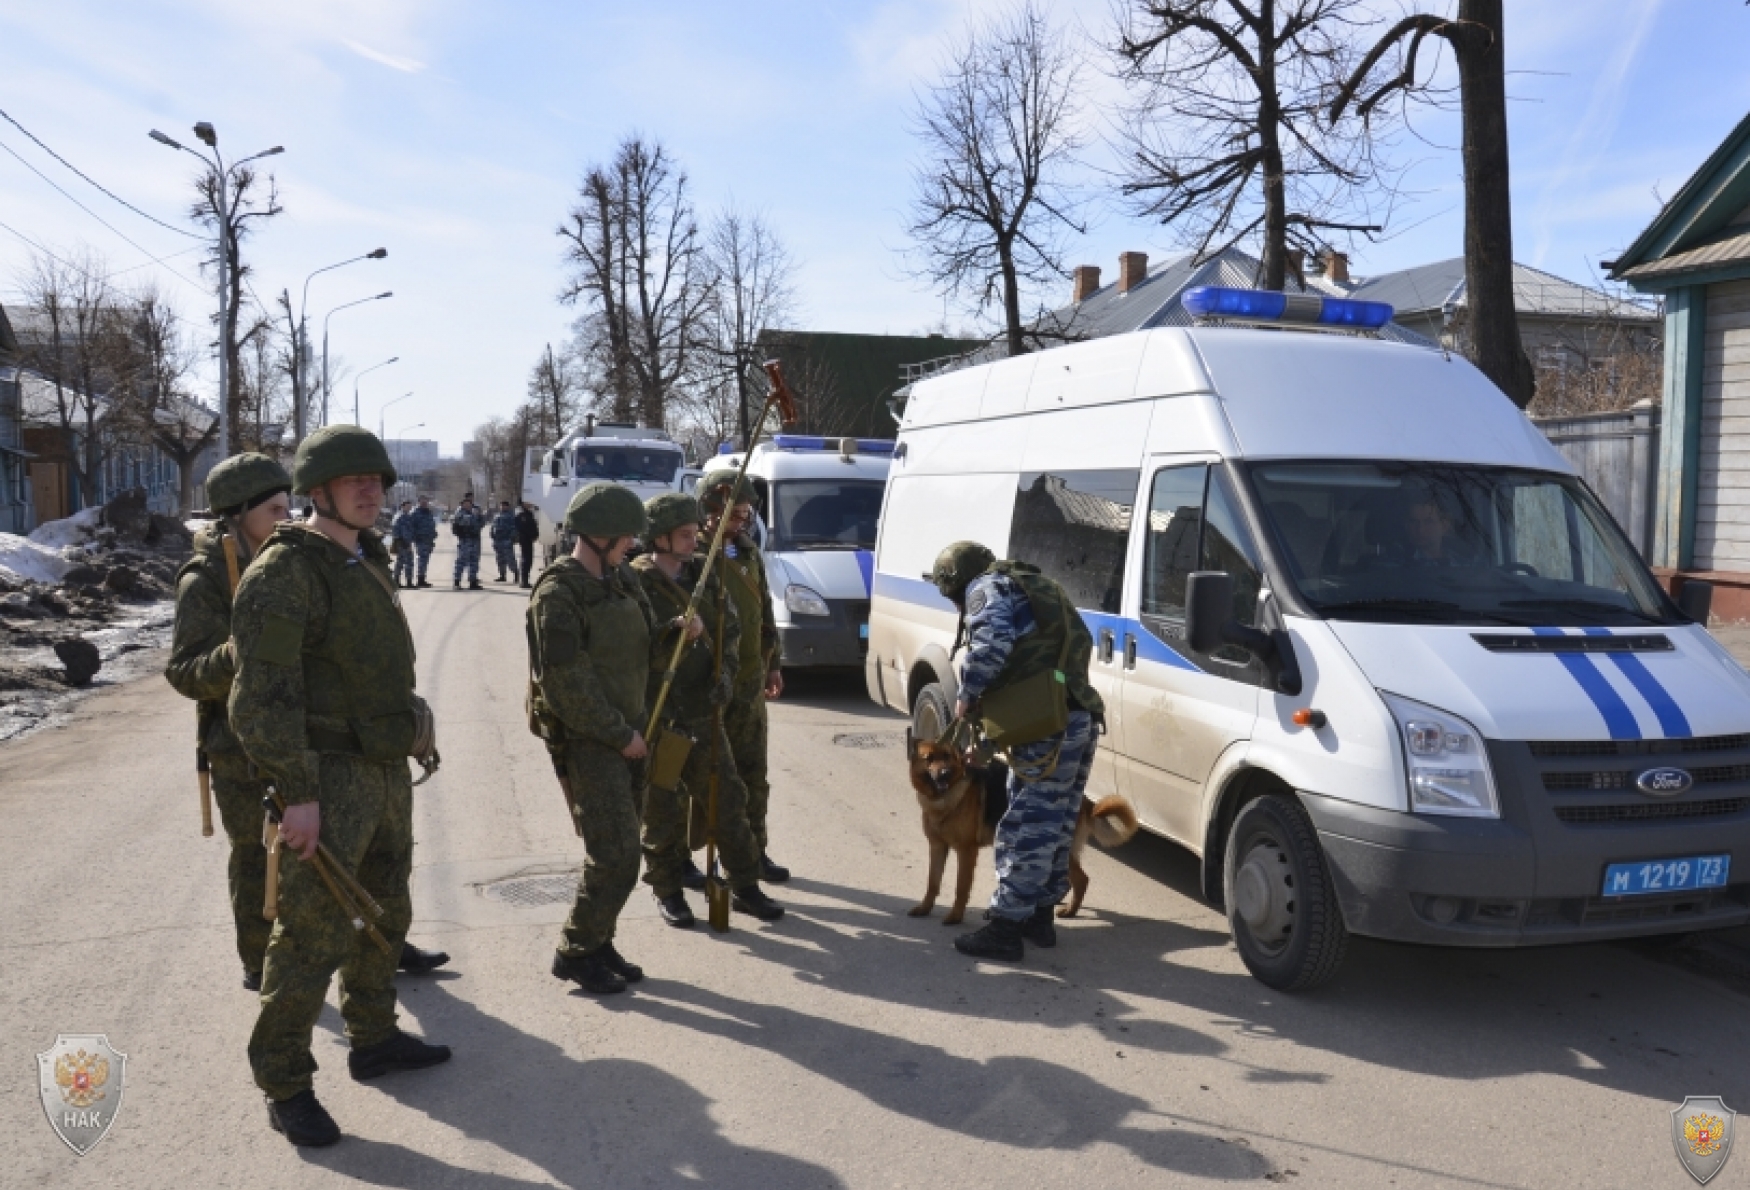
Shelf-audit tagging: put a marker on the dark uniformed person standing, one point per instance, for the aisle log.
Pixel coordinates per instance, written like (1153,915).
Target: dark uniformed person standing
(323,703)
(704,681)
(757,676)
(589,630)
(1019,625)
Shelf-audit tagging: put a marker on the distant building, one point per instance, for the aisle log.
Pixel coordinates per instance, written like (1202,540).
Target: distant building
(15,504)
(842,382)
(413,456)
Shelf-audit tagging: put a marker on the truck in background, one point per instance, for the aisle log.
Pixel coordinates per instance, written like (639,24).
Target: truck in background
(646,461)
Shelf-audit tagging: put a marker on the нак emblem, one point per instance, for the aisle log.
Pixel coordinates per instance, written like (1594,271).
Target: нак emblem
(1702,1131)
(81,1082)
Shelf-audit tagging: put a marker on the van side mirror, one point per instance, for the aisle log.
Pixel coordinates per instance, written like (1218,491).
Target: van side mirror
(1209,624)
(1696,600)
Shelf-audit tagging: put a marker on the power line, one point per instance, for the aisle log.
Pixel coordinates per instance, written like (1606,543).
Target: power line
(181,231)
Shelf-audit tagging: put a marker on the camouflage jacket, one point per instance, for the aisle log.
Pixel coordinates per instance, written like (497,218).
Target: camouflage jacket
(202,662)
(324,659)
(689,699)
(745,574)
(589,655)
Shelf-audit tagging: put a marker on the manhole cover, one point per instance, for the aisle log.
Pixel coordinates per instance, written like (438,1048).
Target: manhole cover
(560,888)
(864,739)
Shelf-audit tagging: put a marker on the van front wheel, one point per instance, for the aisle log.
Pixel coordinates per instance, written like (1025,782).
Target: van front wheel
(930,713)
(1281,905)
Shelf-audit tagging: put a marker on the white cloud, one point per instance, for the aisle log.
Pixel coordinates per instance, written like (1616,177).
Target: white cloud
(404,65)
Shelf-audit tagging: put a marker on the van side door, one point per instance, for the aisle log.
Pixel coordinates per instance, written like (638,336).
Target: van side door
(1183,709)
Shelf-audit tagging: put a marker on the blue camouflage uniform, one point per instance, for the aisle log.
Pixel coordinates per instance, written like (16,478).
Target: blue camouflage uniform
(504,543)
(465,523)
(401,537)
(423,524)
(1033,839)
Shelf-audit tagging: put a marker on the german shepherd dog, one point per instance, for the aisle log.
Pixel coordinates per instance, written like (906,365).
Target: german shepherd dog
(962,805)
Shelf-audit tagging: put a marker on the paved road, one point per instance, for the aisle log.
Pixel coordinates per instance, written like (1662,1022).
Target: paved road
(848,1045)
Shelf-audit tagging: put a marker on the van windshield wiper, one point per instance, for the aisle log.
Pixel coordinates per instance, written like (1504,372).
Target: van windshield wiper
(1418,607)
(1583,605)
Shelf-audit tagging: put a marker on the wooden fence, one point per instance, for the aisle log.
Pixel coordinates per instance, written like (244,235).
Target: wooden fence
(1618,455)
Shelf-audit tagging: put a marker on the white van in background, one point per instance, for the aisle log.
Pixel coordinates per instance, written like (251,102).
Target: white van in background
(820,500)
(645,461)
(1367,645)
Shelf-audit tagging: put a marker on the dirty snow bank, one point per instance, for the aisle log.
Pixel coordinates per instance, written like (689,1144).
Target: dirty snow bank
(23,559)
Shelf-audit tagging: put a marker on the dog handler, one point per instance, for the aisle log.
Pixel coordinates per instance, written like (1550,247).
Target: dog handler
(589,628)
(1020,625)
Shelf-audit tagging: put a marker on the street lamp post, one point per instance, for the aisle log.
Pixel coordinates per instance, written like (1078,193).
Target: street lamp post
(384,410)
(221,181)
(375,297)
(355,386)
(302,346)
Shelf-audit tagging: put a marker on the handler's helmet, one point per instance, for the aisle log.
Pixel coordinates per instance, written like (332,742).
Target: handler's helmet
(243,480)
(956,566)
(715,486)
(669,512)
(334,451)
(606,510)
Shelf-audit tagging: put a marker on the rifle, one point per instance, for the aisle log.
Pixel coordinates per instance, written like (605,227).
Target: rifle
(203,776)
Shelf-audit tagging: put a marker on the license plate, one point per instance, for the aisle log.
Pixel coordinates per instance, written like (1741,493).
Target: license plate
(1666,875)
(863,631)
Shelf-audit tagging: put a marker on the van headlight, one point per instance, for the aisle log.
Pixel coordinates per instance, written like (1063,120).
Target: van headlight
(804,602)
(1448,767)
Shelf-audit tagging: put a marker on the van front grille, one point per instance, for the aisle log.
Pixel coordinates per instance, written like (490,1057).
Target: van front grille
(1555,749)
(1724,807)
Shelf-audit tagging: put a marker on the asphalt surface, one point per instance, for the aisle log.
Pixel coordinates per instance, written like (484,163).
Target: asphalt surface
(848,1045)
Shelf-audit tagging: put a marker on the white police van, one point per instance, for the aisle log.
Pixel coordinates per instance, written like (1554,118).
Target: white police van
(1367,645)
(820,500)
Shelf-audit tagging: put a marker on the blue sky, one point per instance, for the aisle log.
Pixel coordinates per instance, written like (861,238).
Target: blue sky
(454,135)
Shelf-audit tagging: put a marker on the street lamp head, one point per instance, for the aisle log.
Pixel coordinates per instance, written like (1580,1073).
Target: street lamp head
(377,255)
(162,139)
(384,294)
(273,152)
(207,135)
(394,359)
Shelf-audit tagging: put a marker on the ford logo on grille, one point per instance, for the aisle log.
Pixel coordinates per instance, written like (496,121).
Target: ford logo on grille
(1664,782)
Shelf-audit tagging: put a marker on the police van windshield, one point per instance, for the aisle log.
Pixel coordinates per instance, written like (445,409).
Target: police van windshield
(816,514)
(1405,542)
(628,464)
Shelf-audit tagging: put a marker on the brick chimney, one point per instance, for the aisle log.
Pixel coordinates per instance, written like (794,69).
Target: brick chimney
(1132,270)
(1087,280)
(1336,265)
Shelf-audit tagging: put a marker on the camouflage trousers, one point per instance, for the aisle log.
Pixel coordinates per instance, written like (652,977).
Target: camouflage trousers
(468,558)
(404,564)
(1034,836)
(239,797)
(605,787)
(504,553)
(744,722)
(367,822)
(424,549)
(666,814)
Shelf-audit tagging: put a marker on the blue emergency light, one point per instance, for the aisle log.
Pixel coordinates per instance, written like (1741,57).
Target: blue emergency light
(1264,305)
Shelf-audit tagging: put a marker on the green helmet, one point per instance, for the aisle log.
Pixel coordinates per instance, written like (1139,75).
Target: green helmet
(606,510)
(235,481)
(669,512)
(956,566)
(713,486)
(335,451)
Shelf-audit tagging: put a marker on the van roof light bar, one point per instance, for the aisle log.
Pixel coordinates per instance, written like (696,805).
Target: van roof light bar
(1215,303)
(872,446)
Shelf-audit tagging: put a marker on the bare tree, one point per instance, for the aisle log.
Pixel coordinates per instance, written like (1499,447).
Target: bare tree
(249,200)
(638,270)
(163,412)
(259,382)
(553,396)
(70,341)
(994,197)
(1227,137)
(1477,42)
(750,272)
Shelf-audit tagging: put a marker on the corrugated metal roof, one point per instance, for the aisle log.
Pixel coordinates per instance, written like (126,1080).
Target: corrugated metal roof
(1728,250)
(1429,287)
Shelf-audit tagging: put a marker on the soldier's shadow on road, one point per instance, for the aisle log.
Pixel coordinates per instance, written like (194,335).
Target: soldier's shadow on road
(583,1122)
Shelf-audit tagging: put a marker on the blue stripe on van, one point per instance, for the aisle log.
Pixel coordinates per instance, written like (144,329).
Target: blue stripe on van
(866,567)
(1672,720)
(1618,719)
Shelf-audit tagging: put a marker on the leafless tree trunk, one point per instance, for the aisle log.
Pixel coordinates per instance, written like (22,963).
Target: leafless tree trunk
(71,345)
(999,135)
(1476,38)
(247,206)
(552,405)
(750,272)
(166,415)
(1226,137)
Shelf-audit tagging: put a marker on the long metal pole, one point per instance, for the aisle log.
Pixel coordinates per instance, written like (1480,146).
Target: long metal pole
(224,307)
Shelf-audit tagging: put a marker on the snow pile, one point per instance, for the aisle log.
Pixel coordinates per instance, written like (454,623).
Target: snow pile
(74,530)
(26,559)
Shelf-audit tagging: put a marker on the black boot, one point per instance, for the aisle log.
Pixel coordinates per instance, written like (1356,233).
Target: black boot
(251,980)
(589,972)
(1000,939)
(752,900)
(675,911)
(302,1120)
(613,961)
(691,877)
(1041,928)
(403,1051)
(474,585)
(422,582)
(415,961)
(772,873)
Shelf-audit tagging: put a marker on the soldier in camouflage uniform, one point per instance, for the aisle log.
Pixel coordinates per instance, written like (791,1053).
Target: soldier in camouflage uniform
(323,702)
(589,630)
(757,676)
(703,682)
(1016,621)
